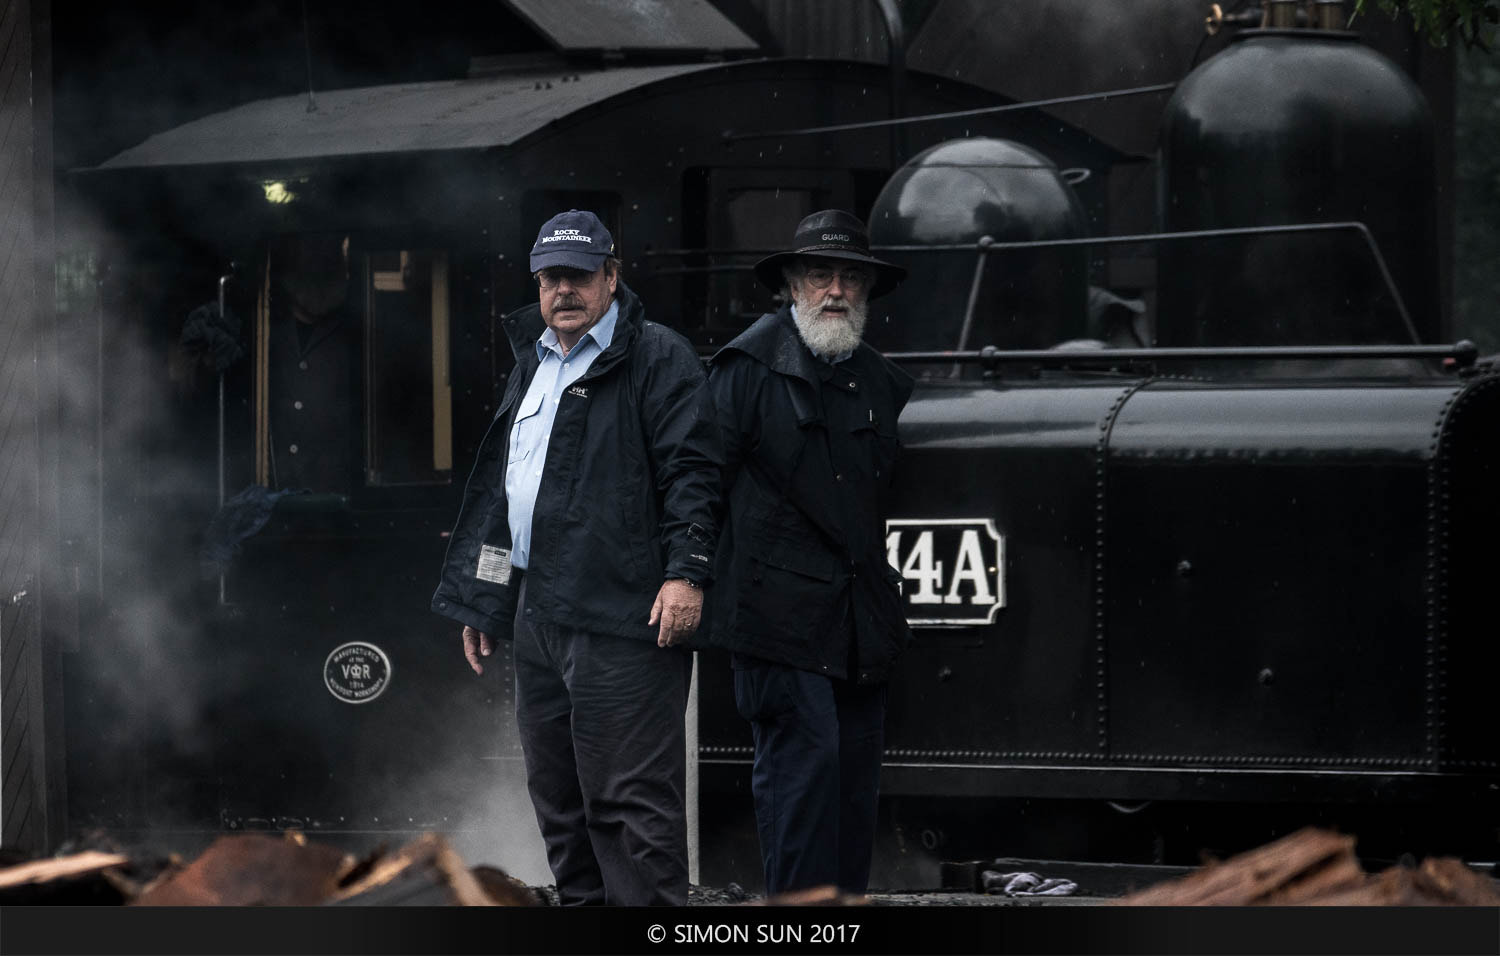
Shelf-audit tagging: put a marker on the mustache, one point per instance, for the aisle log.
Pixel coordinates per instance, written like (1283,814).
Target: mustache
(568,302)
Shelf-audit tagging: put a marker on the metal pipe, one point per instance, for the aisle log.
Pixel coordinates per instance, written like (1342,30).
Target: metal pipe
(968,327)
(677,253)
(1463,353)
(988,245)
(1328,15)
(1359,227)
(692,796)
(223,283)
(730,136)
(312,102)
(699,270)
(99,439)
(1217,19)
(895,37)
(1280,15)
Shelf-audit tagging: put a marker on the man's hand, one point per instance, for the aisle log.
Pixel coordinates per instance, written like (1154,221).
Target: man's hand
(477,643)
(678,607)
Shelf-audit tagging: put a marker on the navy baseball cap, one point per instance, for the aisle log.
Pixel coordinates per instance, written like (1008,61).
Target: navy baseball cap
(577,240)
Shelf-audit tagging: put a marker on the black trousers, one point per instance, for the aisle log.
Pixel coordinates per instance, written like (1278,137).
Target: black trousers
(601,725)
(816,779)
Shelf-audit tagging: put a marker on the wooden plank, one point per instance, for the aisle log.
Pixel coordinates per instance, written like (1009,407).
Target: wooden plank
(1336,875)
(1258,875)
(42,871)
(254,870)
(504,889)
(425,872)
(1318,868)
(1455,882)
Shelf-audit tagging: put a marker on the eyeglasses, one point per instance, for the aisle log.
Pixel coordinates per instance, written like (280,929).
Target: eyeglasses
(852,279)
(577,278)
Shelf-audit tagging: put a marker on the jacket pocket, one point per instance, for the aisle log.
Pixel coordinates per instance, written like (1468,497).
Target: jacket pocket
(811,564)
(523,434)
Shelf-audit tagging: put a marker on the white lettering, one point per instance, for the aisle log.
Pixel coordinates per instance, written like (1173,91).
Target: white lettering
(712,933)
(835,237)
(774,933)
(972,592)
(921,568)
(970,568)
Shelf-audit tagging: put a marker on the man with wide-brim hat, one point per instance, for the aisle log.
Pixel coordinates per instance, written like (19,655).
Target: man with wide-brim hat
(831,234)
(805,600)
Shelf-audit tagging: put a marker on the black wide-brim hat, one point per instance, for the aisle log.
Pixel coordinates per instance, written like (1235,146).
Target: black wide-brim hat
(833,234)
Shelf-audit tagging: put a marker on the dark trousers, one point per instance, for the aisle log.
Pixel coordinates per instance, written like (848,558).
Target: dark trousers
(816,779)
(601,725)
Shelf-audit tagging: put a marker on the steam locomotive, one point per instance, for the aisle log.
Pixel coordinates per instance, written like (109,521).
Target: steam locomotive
(1208,545)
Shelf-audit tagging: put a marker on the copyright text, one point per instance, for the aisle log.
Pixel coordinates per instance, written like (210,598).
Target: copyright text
(809,933)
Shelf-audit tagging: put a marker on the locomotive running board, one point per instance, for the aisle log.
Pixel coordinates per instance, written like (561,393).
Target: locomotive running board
(1136,782)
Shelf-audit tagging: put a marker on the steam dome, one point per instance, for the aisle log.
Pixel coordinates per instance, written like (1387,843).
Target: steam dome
(953,194)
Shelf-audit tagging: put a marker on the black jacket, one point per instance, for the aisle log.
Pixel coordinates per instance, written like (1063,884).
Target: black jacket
(627,493)
(801,570)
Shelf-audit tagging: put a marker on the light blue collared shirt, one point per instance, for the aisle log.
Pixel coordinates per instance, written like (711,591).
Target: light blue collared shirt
(532,430)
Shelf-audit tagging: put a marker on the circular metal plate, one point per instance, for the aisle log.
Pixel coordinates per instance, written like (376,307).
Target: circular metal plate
(357,673)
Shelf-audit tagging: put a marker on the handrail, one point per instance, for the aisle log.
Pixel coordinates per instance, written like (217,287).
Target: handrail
(1464,354)
(730,136)
(987,245)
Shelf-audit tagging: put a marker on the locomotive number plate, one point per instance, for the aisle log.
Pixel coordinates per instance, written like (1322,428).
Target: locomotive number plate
(954,569)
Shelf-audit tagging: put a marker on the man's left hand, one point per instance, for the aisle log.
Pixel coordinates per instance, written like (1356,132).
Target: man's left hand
(678,607)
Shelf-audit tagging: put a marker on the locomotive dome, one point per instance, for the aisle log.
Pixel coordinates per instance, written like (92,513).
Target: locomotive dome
(954,194)
(1287,127)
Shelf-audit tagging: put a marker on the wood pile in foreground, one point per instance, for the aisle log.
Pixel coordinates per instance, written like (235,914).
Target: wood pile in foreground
(267,870)
(1309,868)
(1318,868)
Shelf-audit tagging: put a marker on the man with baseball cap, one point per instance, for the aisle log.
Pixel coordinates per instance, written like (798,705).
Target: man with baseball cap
(805,599)
(586,534)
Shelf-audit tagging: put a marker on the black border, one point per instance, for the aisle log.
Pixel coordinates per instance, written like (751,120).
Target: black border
(882,929)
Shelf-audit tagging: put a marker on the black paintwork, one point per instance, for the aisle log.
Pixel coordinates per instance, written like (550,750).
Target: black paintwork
(1291,127)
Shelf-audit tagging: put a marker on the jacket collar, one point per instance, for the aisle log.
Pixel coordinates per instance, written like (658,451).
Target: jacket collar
(773,341)
(525,325)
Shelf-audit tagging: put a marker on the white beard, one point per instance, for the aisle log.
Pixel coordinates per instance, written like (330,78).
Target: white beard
(829,336)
